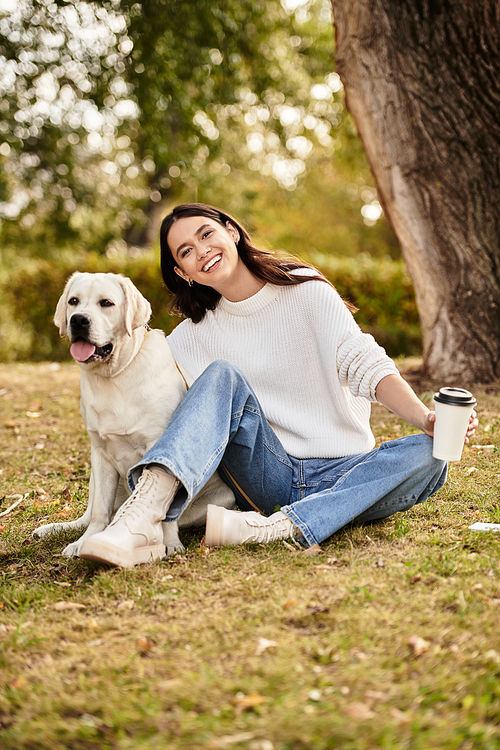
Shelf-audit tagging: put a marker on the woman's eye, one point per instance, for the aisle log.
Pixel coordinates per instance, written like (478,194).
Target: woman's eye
(207,233)
(185,252)
(106,303)
(73,301)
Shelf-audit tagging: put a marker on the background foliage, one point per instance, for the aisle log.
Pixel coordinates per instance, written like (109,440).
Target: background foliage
(113,112)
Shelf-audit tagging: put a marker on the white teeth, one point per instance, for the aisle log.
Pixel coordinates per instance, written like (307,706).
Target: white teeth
(212,263)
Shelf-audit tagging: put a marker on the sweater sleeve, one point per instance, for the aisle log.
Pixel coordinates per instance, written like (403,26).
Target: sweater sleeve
(359,361)
(362,363)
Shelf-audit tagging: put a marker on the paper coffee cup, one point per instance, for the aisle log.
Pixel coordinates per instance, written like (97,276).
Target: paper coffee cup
(453,408)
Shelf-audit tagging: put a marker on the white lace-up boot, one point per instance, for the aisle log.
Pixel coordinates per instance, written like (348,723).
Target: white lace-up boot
(228,527)
(135,535)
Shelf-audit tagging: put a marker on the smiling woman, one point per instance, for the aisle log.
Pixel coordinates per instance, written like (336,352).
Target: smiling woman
(206,254)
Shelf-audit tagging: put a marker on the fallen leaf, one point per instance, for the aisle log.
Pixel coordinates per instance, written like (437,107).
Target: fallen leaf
(472,470)
(68,605)
(418,645)
(36,405)
(359,711)
(400,716)
(312,551)
(315,695)
(64,584)
(128,604)
(33,414)
(289,603)
(375,695)
(231,739)
(359,655)
(244,702)
(145,643)
(263,645)
(18,683)
(92,624)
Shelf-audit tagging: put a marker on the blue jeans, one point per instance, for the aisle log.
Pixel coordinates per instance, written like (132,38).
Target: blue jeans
(220,425)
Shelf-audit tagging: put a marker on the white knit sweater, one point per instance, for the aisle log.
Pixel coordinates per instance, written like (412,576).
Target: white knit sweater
(312,369)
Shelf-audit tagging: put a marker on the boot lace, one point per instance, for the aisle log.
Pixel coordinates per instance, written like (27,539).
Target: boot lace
(138,500)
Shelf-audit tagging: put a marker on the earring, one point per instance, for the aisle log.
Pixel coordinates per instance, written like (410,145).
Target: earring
(190,282)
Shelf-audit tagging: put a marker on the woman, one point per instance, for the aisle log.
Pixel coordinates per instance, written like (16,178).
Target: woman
(280,404)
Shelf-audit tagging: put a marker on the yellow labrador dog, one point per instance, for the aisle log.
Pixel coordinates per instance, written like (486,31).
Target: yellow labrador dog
(130,387)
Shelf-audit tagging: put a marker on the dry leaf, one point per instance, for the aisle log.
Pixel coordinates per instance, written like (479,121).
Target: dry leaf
(418,645)
(359,711)
(400,716)
(231,739)
(315,695)
(472,470)
(68,605)
(33,414)
(128,604)
(92,624)
(375,695)
(18,683)
(312,551)
(244,702)
(64,584)
(264,644)
(145,643)
(289,603)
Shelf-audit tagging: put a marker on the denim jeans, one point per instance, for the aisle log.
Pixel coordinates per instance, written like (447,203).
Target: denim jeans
(220,425)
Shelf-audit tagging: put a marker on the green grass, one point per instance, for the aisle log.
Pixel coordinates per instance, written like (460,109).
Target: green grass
(171,655)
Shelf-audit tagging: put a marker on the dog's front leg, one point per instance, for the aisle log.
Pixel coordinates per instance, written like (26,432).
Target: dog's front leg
(102,490)
(171,538)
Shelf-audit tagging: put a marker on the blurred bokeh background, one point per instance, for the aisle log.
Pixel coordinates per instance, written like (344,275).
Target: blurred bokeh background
(113,112)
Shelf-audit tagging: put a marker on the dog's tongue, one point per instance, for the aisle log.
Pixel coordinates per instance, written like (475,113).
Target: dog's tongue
(82,350)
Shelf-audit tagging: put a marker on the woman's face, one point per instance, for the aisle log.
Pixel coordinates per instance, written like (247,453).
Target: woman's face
(205,251)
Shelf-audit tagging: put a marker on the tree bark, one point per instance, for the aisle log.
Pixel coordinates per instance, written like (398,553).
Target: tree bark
(422,82)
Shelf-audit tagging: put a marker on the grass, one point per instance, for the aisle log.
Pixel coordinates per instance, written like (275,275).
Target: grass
(389,637)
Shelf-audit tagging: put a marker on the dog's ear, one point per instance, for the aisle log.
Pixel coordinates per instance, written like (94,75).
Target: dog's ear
(137,308)
(61,313)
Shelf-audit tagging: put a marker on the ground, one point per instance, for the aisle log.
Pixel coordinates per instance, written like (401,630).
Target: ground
(386,637)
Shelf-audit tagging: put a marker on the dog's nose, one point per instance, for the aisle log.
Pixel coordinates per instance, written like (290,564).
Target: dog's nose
(79,323)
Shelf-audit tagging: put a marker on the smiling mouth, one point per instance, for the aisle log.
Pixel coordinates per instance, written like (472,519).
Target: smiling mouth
(211,263)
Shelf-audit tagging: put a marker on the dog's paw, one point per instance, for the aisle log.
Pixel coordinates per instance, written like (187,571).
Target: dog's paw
(175,549)
(46,530)
(72,550)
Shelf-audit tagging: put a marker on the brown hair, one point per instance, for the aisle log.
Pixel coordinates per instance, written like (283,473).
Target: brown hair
(193,301)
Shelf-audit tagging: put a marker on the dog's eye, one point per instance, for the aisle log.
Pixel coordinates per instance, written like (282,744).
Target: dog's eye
(106,303)
(73,301)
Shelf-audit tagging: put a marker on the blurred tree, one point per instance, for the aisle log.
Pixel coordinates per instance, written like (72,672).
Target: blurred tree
(422,82)
(109,109)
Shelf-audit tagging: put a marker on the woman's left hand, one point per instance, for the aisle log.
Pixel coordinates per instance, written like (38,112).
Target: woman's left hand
(471,429)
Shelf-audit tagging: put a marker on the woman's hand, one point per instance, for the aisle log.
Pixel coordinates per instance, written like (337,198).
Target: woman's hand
(396,394)
(428,427)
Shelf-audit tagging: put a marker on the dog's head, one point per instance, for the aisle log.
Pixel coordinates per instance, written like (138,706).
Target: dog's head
(96,311)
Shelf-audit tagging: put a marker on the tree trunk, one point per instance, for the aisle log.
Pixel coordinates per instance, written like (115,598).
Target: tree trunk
(422,82)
